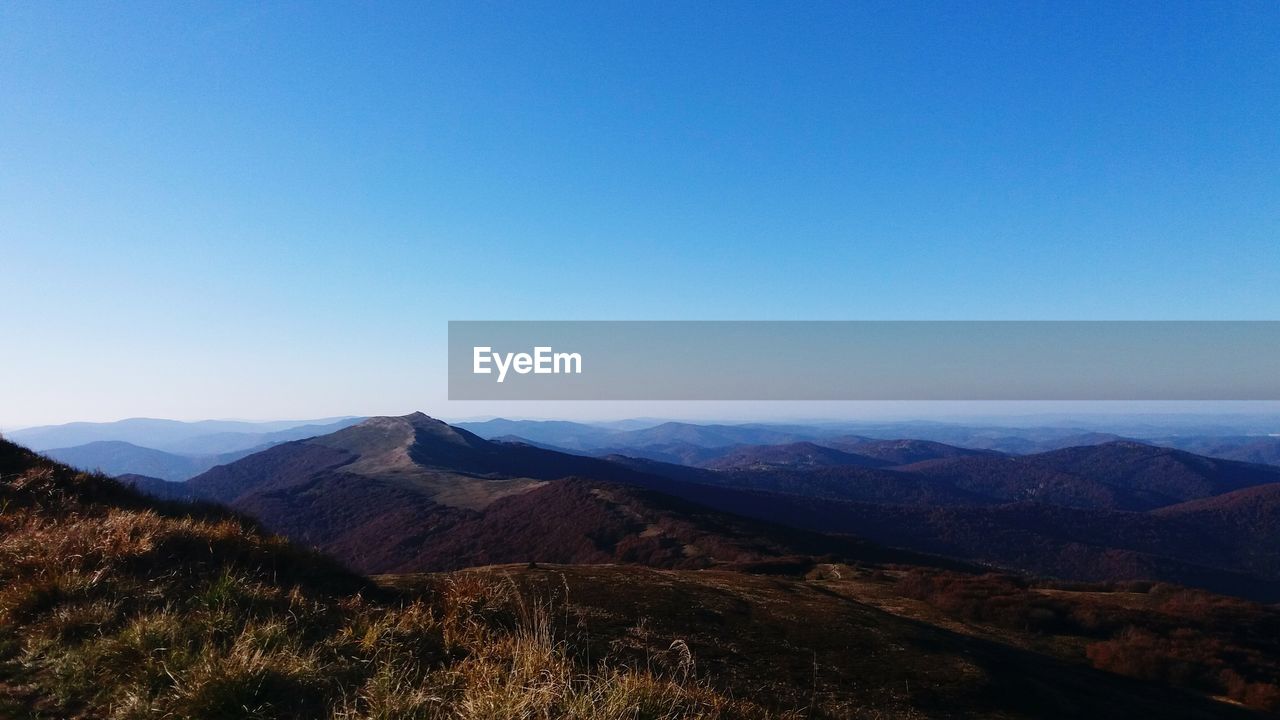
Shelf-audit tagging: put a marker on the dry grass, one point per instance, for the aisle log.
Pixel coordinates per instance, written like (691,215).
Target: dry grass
(1177,636)
(115,607)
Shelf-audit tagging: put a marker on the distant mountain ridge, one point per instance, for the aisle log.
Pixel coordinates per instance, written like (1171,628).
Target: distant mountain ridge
(790,455)
(1263,449)
(116,457)
(903,451)
(200,437)
(180,455)
(688,443)
(583,437)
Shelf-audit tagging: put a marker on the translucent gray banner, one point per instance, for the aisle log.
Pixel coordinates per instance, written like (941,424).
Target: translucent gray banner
(864,360)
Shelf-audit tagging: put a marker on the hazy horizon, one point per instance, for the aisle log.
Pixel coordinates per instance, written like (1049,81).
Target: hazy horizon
(1025,414)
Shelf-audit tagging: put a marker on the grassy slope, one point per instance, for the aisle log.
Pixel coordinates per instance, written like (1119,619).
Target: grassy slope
(847,642)
(116,606)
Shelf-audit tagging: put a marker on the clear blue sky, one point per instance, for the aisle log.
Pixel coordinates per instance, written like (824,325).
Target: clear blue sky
(271,210)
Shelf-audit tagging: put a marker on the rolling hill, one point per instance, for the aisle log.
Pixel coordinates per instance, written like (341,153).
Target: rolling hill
(1248,448)
(1111,511)
(1117,475)
(1155,476)
(790,455)
(1244,526)
(1002,479)
(765,484)
(902,451)
(412,494)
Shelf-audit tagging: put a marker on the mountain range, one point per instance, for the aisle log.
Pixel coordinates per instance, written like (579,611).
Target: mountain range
(166,449)
(204,437)
(1247,439)
(195,447)
(413,494)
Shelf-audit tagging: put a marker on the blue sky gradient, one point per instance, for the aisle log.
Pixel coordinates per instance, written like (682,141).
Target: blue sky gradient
(271,210)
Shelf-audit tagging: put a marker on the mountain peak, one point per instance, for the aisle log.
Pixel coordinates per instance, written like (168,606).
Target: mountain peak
(415,420)
(388,440)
